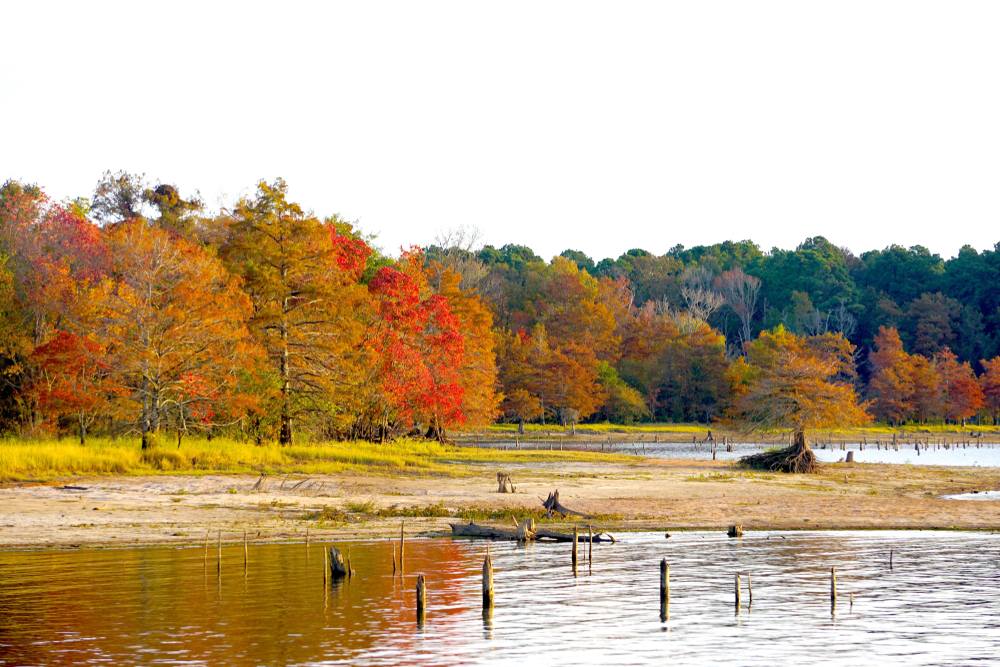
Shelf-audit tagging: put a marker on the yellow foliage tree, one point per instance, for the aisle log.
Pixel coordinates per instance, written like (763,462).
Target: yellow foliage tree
(791,382)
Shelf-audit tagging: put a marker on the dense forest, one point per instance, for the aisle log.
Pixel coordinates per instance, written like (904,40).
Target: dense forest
(134,310)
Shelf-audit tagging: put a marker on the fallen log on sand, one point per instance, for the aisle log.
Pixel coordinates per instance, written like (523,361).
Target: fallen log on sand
(472,529)
(551,504)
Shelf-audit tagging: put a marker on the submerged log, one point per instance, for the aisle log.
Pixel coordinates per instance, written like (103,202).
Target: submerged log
(551,504)
(472,529)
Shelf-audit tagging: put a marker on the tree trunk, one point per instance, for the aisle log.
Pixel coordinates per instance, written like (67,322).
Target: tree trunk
(520,426)
(285,437)
(797,458)
(83,432)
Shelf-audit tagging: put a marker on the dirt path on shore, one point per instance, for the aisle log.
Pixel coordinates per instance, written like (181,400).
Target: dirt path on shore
(651,494)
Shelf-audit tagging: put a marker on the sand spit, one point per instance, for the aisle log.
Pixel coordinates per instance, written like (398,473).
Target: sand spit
(652,494)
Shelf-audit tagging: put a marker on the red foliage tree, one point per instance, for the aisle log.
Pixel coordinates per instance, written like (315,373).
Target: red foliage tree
(72,381)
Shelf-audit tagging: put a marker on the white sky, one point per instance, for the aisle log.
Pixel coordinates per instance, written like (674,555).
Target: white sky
(598,127)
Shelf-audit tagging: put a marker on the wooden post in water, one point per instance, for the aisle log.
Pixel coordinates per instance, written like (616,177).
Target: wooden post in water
(590,545)
(245,558)
(208,534)
(402,526)
(393,558)
(890,559)
(737,590)
(664,581)
(350,570)
(421,599)
(487,580)
(750,588)
(852,601)
(220,551)
(833,585)
(326,568)
(307,538)
(576,544)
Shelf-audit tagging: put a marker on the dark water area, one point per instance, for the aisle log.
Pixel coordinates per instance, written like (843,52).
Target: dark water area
(938,604)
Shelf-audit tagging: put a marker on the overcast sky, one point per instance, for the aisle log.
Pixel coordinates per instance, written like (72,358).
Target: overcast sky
(594,126)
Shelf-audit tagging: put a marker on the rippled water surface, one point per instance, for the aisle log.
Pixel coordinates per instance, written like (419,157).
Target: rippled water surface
(938,604)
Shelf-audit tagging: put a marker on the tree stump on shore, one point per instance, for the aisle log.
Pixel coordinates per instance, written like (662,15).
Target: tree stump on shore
(504,483)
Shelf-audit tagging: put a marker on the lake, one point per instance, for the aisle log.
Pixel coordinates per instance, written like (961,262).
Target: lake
(987,456)
(939,603)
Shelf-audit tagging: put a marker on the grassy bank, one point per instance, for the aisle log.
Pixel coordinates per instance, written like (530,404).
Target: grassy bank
(43,459)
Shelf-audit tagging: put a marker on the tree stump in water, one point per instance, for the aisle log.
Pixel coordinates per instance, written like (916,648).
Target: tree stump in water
(338,568)
(735,531)
(505,485)
(850,457)
(526,530)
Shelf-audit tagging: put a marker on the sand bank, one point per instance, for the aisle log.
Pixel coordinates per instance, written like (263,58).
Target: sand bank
(651,494)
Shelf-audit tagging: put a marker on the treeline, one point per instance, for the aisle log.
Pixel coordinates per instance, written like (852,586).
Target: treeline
(134,310)
(654,337)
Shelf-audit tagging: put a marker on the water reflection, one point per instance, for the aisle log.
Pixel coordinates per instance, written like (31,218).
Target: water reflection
(936,603)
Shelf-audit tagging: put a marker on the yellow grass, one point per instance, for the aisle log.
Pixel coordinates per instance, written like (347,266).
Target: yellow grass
(40,459)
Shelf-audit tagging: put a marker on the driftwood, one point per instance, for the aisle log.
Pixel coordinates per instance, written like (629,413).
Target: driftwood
(551,504)
(505,485)
(472,529)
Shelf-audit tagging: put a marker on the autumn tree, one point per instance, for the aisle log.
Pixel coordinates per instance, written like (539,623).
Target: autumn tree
(516,375)
(302,281)
(891,384)
(167,313)
(787,381)
(961,395)
(990,382)
(416,352)
(72,379)
(477,373)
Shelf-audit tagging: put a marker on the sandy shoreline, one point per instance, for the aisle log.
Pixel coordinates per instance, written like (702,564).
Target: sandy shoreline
(652,494)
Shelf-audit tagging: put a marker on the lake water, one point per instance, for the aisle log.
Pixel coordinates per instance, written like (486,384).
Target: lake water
(939,603)
(987,456)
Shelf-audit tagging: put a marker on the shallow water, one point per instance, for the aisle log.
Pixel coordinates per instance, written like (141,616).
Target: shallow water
(938,604)
(986,456)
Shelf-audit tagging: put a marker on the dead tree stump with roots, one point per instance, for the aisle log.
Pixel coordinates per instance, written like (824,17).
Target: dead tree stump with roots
(798,458)
(505,485)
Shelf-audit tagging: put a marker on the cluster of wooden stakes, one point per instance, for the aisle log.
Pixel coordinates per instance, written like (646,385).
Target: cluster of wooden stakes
(336,566)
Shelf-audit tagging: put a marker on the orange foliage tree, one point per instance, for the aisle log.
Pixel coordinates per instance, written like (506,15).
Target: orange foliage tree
(167,315)
(477,373)
(990,382)
(791,382)
(961,395)
(891,385)
(301,277)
